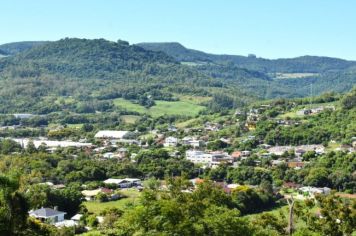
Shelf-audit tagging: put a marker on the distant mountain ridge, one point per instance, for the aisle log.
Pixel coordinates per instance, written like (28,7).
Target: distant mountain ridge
(17,47)
(97,69)
(303,64)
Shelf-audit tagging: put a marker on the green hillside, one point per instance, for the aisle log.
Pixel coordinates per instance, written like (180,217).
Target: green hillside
(299,74)
(305,64)
(94,72)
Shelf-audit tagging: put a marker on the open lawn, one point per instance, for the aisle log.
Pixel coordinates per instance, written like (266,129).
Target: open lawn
(129,106)
(97,207)
(193,99)
(161,108)
(130,119)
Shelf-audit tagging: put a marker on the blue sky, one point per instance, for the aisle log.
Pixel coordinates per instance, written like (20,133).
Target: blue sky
(268,28)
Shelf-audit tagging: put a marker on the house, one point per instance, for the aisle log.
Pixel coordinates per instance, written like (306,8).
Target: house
(122,152)
(236,155)
(279,150)
(48,215)
(210,159)
(265,155)
(113,134)
(196,181)
(264,146)
(233,186)
(189,141)
(196,156)
(212,126)
(220,157)
(312,191)
(291,185)
(170,142)
(304,112)
(299,152)
(296,164)
(277,162)
(172,128)
(124,183)
(245,153)
(109,155)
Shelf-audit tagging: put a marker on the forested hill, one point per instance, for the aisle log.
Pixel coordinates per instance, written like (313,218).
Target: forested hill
(92,70)
(2,53)
(83,58)
(304,64)
(292,77)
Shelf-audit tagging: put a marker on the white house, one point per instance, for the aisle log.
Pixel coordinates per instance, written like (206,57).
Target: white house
(189,141)
(196,156)
(170,142)
(312,191)
(48,215)
(210,159)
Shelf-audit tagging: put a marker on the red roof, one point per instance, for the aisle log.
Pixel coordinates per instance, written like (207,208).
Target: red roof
(236,154)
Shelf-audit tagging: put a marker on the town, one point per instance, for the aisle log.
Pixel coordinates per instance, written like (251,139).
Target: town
(219,150)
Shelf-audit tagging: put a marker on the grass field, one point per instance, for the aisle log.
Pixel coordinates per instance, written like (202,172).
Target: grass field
(75,126)
(294,75)
(97,207)
(130,119)
(192,99)
(129,106)
(161,108)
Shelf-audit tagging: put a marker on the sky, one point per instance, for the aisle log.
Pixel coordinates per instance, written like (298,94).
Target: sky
(267,28)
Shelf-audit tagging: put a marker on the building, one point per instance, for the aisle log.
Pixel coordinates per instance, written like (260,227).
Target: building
(170,142)
(124,183)
(312,191)
(189,141)
(209,159)
(51,143)
(196,156)
(245,153)
(48,215)
(23,116)
(236,155)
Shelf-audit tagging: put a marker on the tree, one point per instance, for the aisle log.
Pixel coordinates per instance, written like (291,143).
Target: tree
(13,212)
(336,218)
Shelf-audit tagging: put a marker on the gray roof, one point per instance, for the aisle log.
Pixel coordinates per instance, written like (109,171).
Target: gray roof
(46,212)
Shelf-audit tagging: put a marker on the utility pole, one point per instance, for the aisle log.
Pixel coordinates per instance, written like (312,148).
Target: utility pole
(311,95)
